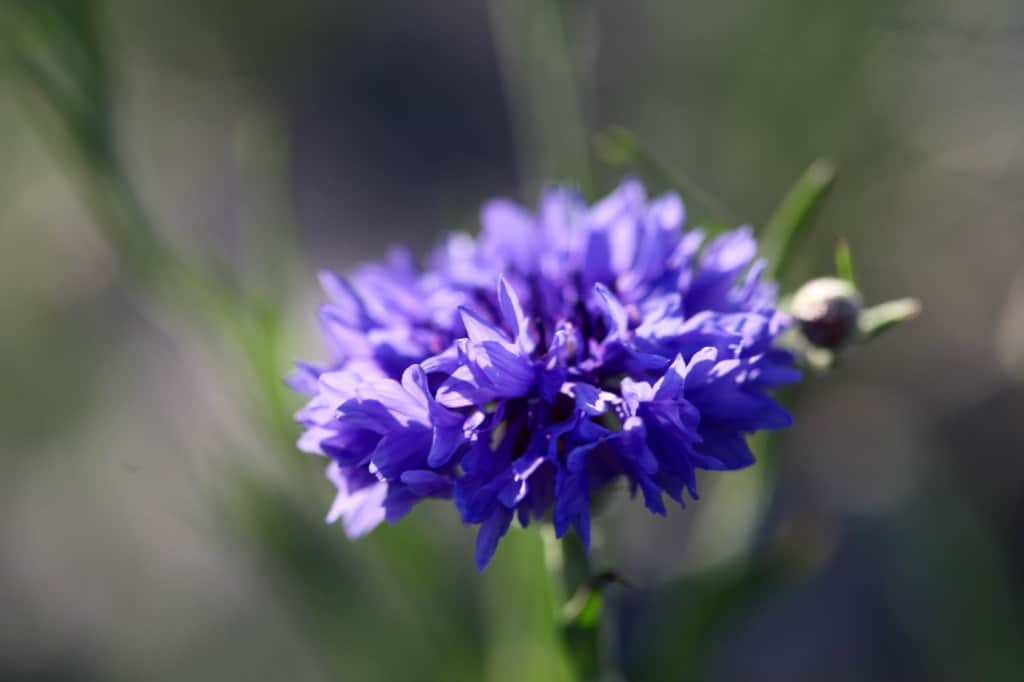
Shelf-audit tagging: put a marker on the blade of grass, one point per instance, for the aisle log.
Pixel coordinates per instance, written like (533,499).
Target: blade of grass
(788,225)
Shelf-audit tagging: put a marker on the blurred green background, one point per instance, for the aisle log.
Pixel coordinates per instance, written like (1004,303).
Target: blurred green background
(156,522)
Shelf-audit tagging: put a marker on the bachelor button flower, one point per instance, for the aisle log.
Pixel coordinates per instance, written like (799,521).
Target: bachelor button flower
(524,371)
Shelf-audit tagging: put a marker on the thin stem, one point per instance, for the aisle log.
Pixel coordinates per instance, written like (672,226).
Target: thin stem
(617,146)
(76,125)
(578,602)
(537,68)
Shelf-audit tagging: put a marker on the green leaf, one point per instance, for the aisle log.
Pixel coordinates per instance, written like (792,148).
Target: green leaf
(56,45)
(788,225)
(884,316)
(844,262)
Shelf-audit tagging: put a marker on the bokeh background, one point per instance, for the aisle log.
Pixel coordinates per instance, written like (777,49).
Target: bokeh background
(156,523)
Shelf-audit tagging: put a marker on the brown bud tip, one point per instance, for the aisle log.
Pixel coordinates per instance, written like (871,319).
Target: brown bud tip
(827,310)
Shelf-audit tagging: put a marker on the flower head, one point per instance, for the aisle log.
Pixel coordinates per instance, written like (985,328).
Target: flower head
(524,371)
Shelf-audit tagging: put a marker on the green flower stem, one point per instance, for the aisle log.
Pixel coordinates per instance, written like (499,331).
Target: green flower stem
(540,77)
(578,602)
(546,91)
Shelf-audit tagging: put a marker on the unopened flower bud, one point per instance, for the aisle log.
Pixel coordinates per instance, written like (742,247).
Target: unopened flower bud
(827,309)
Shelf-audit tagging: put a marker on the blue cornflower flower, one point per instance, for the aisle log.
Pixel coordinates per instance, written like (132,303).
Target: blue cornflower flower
(526,370)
